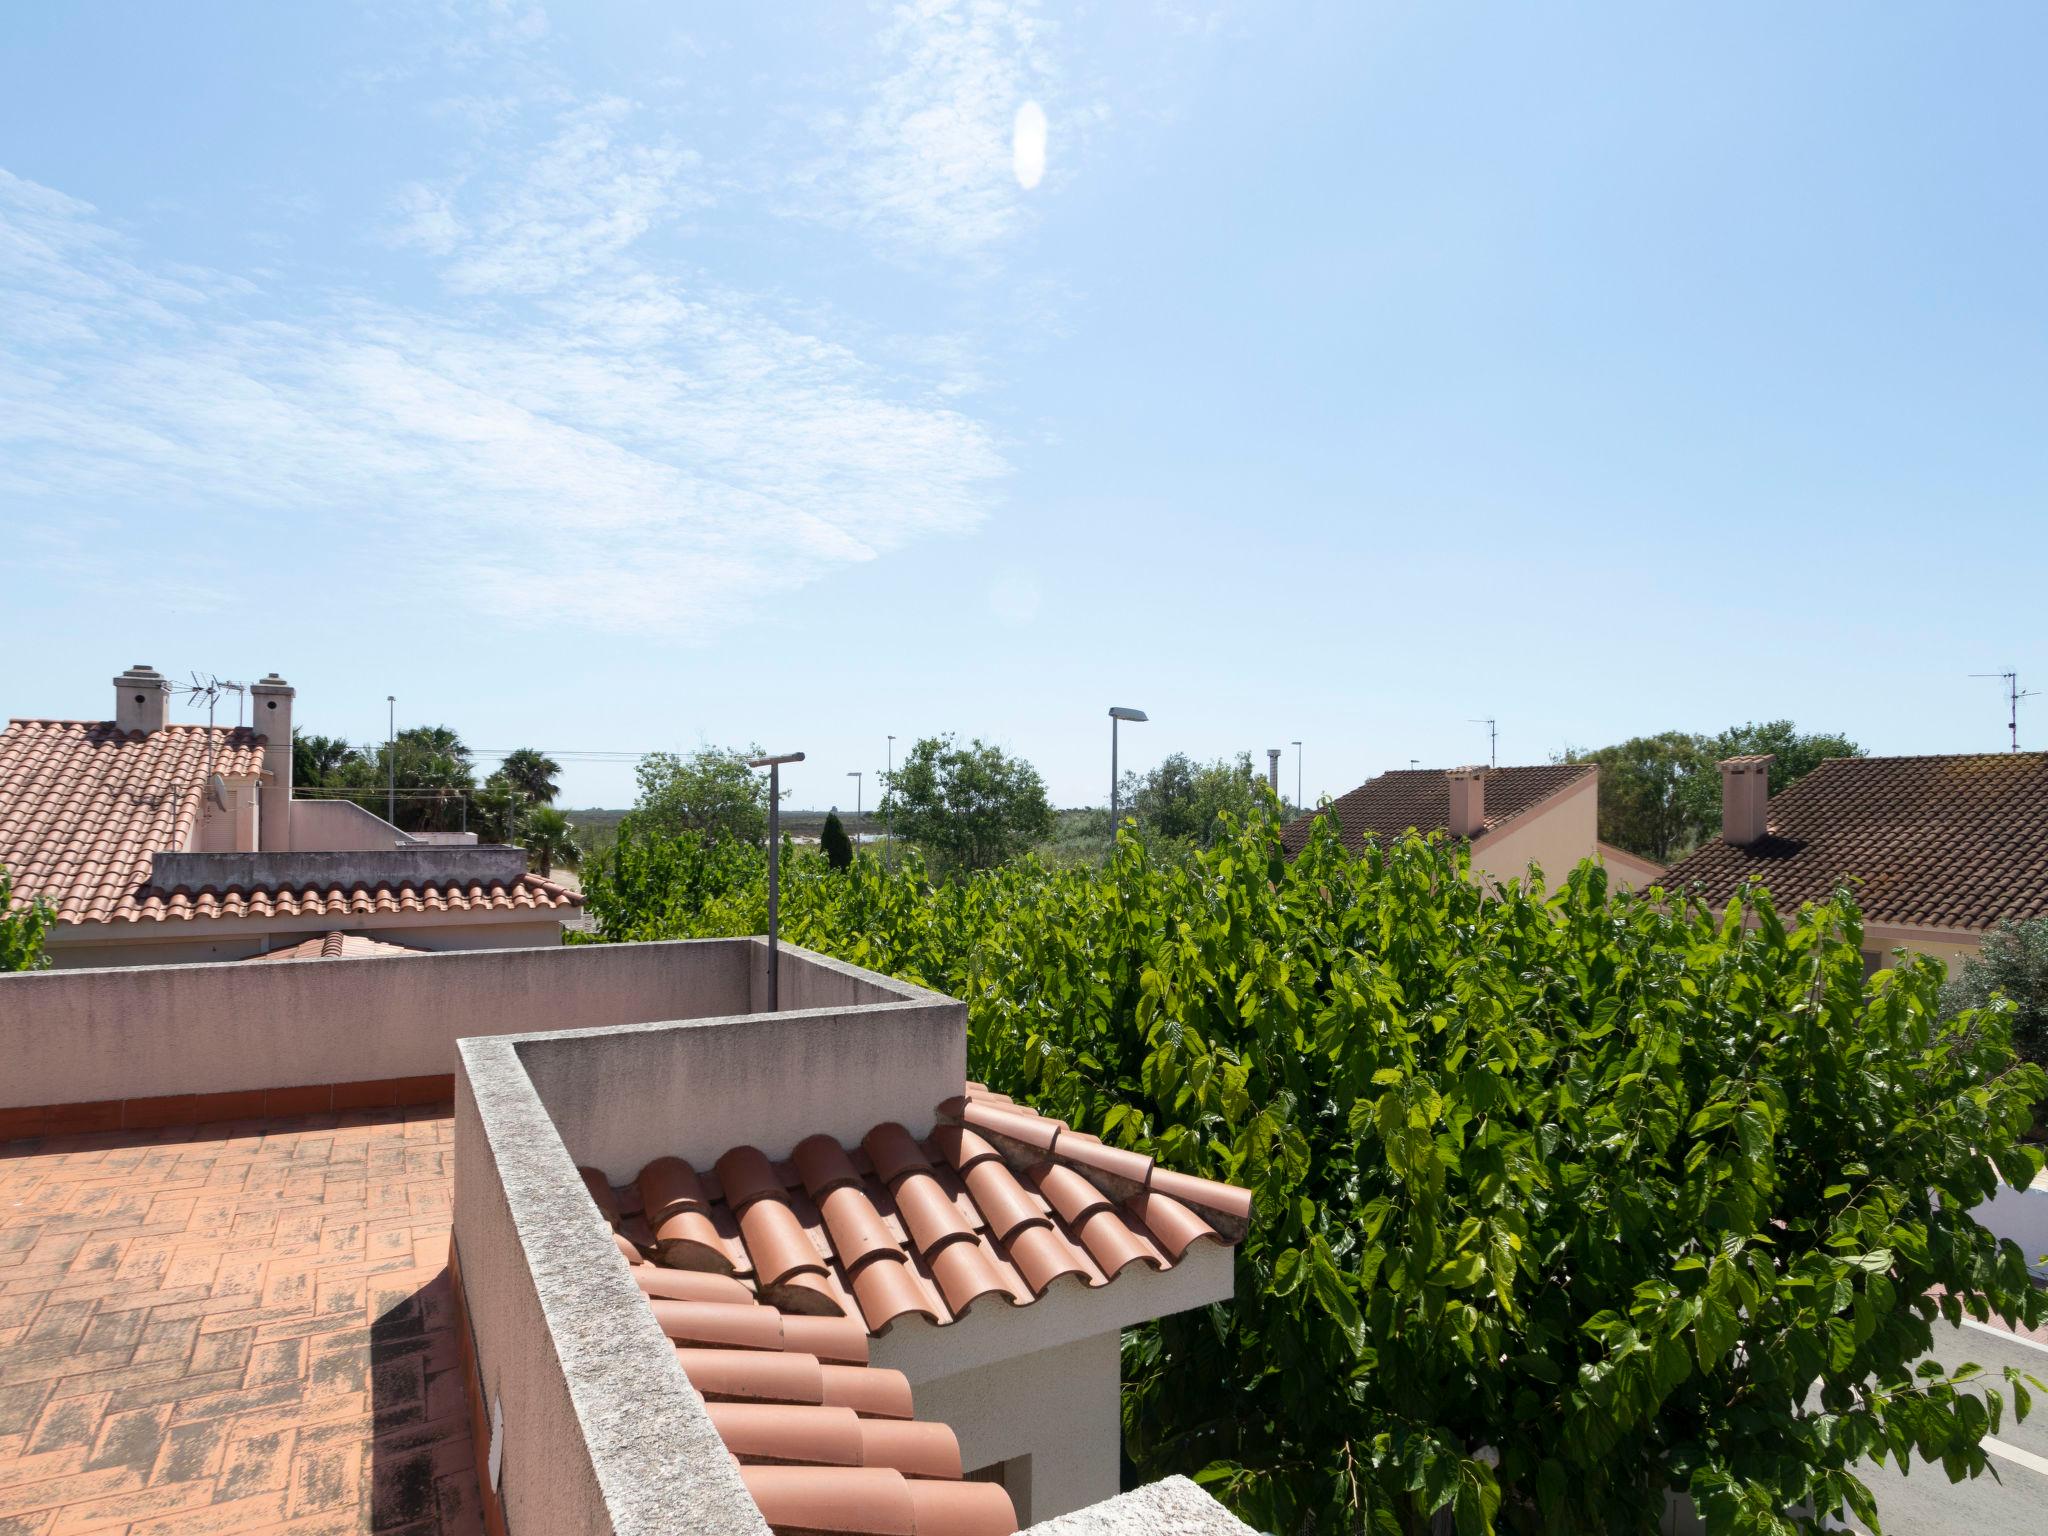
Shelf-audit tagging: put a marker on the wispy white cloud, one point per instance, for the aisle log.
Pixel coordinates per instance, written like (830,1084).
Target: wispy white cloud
(925,164)
(586,195)
(704,450)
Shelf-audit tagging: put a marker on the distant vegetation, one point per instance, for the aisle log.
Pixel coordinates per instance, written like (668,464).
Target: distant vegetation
(437,789)
(1660,796)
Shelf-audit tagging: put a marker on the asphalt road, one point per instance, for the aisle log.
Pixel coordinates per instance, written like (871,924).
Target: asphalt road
(1926,1503)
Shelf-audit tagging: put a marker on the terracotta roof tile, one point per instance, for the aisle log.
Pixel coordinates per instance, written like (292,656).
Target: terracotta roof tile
(1938,842)
(837,1245)
(334,945)
(1420,798)
(84,805)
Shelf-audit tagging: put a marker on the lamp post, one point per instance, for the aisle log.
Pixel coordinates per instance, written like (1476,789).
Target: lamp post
(889,807)
(858,785)
(774,767)
(1117,716)
(391,756)
(1298,806)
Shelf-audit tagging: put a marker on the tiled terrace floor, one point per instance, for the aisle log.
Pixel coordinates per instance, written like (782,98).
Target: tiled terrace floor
(233,1328)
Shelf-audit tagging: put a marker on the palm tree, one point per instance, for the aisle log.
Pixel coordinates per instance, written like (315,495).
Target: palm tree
(316,759)
(532,774)
(550,839)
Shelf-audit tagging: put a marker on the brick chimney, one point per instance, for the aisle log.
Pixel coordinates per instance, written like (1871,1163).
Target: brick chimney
(142,699)
(1745,798)
(1468,801)
(271,702)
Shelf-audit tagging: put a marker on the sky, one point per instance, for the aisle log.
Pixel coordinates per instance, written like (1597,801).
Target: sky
(641,376)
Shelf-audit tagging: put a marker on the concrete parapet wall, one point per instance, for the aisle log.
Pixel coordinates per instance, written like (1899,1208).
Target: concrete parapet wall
(92,1036)
(341,826)
(322,869)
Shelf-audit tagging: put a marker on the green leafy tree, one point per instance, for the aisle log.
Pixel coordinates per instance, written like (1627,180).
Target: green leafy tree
(498,811)
(317,759)
(1187,800)
(23,925)
(834,843)
(534,775)
(1641,1197)
(1647,801)
(550,839)
(2012,964)
(711,792)
(971,806)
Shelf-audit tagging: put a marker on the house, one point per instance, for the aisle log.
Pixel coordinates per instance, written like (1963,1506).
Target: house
(163,844)
(1939,849)
(672,1260)
(1547,815)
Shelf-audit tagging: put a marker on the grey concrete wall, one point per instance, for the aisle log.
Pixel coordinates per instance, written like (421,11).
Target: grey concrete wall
(813,980)
(1173,1506)
(1058,1407)
(82,1036)
(198,943)
(417,865)
(603,1435)
(622,1097)
(341,826)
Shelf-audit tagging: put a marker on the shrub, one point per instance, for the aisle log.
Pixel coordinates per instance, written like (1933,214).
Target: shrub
(1561,1200)
(833,842)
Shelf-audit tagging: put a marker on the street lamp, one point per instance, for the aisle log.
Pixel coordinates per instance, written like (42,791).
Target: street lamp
(858,785)
(774,767)
(1298,806)
(1117,716)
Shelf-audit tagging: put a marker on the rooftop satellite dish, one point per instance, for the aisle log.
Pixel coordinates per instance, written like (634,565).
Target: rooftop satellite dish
(217,787)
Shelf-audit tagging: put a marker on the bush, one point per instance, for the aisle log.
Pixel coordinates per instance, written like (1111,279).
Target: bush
(22,927)
(1640,1199)
(833,842)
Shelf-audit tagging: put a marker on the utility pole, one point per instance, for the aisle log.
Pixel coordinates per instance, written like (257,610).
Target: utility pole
(1298,806)
(858,785)
(774,767)
(391,763)
(889,807)
(2012,701)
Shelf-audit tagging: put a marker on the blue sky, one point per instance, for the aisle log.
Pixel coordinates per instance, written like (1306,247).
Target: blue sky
(640,375)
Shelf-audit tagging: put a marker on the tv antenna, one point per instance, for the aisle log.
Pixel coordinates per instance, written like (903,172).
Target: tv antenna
(1492,739)
(210,688)
(2013,695)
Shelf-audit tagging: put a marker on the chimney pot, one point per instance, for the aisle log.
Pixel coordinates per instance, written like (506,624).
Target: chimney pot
(271,704)
(1745,798)
(1468,801)
(142,699)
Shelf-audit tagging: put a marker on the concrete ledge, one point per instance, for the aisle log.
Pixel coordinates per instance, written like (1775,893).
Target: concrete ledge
(421,865)
(1172,1506)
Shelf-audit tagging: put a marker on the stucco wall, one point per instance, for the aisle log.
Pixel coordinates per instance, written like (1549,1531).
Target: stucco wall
(342,826)
(1555,835)
(198,943)
(82,1036)
(1058,1407)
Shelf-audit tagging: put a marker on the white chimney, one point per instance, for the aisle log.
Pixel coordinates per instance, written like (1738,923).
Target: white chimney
(1468,801)
(142,699)
(1745,798)
(1273,769)
(271,701)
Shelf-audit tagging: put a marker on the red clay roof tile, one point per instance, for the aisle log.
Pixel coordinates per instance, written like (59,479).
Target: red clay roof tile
(1419,799)
(84,805)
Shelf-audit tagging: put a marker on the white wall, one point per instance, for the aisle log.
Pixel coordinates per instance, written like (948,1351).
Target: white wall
(341,826)
(1057,1407)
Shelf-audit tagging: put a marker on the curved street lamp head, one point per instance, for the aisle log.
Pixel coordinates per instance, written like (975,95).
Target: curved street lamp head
(1118,713)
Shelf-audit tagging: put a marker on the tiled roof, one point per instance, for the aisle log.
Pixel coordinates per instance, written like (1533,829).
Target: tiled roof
(1420,798)
(334,945)
(1941,842)
(83,805)
(770,1278)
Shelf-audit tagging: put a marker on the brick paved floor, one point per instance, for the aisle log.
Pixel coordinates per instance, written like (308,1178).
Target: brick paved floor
(232,1328)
